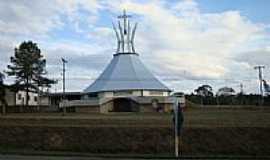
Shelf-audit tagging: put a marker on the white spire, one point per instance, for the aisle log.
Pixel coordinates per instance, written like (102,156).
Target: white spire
(125,34)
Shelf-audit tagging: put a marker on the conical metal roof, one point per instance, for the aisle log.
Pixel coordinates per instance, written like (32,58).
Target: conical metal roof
(126,72)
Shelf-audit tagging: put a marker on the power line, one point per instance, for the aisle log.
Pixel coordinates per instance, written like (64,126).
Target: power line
(241,88)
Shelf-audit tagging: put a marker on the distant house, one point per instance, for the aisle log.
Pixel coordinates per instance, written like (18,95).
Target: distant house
(21,98)
(14,98)
(225,91)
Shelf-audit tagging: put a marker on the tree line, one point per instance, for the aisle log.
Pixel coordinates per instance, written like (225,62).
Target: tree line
(225,96)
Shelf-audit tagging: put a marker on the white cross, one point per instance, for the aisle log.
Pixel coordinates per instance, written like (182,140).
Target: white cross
(125,17)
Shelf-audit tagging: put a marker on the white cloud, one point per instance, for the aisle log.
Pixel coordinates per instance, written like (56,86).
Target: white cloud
(37,18)
(183,38)
(186,42)
(27,17)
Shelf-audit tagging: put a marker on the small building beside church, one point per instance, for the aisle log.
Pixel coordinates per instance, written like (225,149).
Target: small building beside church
(18,98)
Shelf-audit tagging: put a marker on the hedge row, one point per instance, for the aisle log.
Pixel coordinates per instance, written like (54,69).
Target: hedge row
(138,140)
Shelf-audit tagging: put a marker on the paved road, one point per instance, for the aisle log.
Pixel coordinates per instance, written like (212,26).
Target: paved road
(28,157)
(24,157)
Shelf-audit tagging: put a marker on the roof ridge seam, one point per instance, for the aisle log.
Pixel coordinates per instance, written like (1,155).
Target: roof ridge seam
(136,75)
(110,73)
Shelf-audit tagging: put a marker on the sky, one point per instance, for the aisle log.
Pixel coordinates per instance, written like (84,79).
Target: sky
(185,43)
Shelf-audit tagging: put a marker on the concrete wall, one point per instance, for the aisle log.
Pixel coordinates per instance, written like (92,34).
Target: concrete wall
(155,93)
(143,107)
(147,108)
(106,107)
(164,107)
(137,93)
(88,102)
(85,109)
(105,94)
(164,103)
(130,93)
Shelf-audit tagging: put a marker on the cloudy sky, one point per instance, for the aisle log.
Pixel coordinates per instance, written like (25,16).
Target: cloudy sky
(184,43)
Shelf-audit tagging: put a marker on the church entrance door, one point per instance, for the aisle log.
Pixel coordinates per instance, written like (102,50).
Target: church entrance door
(125,105)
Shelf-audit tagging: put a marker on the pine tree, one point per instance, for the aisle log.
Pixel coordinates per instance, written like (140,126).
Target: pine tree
(28,67)
(2,76)
(3,93)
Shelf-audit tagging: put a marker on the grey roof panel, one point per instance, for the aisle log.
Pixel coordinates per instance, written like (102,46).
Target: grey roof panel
(126,72)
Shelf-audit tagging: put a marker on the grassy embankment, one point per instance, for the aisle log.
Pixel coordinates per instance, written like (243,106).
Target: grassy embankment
(206,131)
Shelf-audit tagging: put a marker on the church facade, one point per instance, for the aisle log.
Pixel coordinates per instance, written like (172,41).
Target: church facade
(125,85)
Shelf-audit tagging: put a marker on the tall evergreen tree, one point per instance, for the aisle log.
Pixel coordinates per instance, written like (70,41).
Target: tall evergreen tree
(3,93)
(2,76)
(28,67)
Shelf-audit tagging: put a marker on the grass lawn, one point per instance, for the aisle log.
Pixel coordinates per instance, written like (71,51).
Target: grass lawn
(199,117)
(207,131)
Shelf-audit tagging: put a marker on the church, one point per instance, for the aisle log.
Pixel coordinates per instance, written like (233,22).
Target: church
(126,85)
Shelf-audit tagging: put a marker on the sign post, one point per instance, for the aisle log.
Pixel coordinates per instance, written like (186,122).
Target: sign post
(176,137)
(179,102)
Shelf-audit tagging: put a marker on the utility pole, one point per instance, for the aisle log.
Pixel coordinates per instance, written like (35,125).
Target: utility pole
(64,85)
(241,93)
(260,69)
(241,88)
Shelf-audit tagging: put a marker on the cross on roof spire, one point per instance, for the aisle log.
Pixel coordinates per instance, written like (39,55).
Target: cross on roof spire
(125,18)
(125,34)
(124,15)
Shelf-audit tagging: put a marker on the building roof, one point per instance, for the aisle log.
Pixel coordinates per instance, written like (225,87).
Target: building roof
(57,94)
(126,72)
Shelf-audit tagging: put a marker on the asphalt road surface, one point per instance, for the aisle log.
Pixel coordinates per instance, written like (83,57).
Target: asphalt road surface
(36,157)
(28,157)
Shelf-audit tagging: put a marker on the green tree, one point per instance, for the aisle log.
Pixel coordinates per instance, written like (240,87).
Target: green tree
(204,90)
(3,93)
(2,77)
(28,67)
